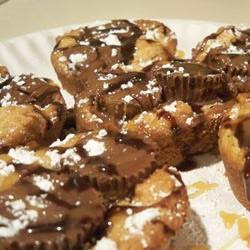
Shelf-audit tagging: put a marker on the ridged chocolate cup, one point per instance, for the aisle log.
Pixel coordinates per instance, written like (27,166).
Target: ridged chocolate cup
(232,64)
(190,82)
(117,187)
(125,161)
(82,211)
(222,39)
(125,96)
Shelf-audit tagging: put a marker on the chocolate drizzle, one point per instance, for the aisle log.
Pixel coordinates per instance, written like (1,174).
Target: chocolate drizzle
(119,35)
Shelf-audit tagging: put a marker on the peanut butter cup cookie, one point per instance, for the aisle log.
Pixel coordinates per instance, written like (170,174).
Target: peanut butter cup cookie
(118,46)
(234,141)
(228,49)
(151,217)
(113,163)
(49,211)
(179,129)
(33,110)
(111,99)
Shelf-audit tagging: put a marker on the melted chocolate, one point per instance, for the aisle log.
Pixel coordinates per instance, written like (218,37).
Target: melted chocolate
(233,64)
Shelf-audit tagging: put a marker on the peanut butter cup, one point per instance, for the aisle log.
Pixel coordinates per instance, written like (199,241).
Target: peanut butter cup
(49,212)
(234,61)
(118,46)
(113,163)
(115,98)
(228,49)
(238,84)
(188,81)
(38,106)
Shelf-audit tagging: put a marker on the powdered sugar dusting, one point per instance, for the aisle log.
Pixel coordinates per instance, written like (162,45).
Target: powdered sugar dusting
(94,147)
(6,100)
(105,244)
(22,156)
(22,217)
(127,98)
(189,120)
(69,158)
(111,39)
(55,158)
(37,201)
(102,133)
(6,169)
(43,182)
(171,107)
(58,142)
(136,222)
(75,59)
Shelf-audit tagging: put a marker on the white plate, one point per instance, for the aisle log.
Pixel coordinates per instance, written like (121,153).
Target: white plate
(31,53)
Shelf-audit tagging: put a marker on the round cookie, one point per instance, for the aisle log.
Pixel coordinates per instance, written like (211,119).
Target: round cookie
(48,211)
(118,46)
(151,218)
(228,49)
(111,99)
(38,106)
(179,129)
(234,148)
